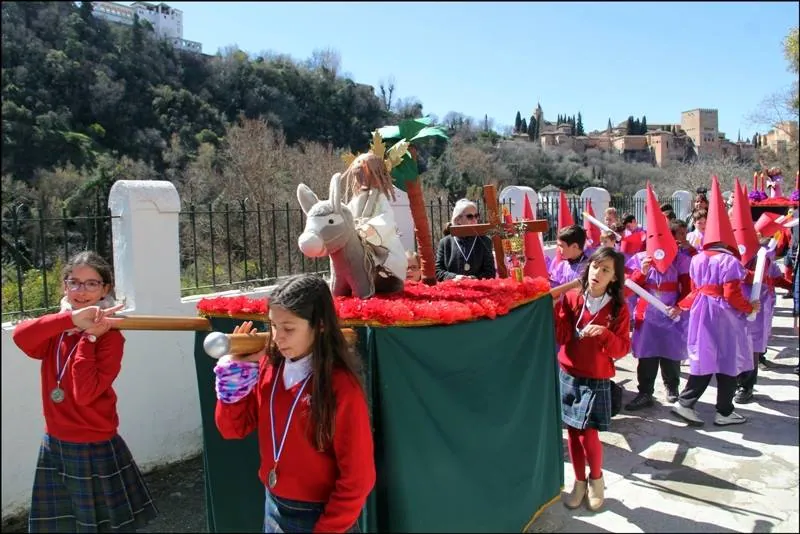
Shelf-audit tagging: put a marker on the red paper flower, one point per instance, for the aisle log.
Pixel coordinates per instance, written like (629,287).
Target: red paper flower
(448,302)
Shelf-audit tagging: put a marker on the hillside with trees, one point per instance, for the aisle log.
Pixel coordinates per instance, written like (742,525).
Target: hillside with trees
(86,102)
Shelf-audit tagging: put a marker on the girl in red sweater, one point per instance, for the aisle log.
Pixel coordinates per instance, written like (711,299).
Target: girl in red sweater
(86,479)
(304,397)
(592,329)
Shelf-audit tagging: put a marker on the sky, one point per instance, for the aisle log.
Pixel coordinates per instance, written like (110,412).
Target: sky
(603,59)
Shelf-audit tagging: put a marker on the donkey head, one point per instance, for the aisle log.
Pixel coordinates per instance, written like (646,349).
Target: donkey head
(329,223)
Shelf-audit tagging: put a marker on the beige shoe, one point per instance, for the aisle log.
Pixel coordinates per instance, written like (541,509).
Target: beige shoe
(575,498)
(596,494)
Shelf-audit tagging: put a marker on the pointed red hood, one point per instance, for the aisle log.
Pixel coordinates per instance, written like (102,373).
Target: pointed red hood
(661,246)
(592,231)
(766,225)
(534,253)
(742,223)
(718,226)
(564,216)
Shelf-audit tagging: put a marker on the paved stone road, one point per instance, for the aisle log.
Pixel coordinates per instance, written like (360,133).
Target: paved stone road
(663,476)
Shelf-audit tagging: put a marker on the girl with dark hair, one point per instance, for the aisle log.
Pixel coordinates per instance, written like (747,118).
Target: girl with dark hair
(86,479)
(304,396)
(592,329)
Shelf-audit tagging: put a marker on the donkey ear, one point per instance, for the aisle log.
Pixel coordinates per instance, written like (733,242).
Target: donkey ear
(335,192)
(306,197)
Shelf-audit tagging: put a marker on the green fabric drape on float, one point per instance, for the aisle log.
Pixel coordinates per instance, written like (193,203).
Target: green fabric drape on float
(234,493)
(467,428)
(467,422)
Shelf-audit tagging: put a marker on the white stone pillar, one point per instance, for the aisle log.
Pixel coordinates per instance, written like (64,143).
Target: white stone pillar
(146,247)
(600,200)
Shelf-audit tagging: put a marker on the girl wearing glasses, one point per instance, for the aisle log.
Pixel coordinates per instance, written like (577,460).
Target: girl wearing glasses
(86,479)
(464,257)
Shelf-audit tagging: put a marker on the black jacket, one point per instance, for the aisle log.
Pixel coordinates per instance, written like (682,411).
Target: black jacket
(450,261)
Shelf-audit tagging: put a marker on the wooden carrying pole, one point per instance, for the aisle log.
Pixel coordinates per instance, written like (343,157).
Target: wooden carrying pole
(160,322)
(557,291)
(218,344)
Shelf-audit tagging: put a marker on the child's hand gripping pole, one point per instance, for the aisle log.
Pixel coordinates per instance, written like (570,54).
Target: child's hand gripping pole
(656,303)
(758,278)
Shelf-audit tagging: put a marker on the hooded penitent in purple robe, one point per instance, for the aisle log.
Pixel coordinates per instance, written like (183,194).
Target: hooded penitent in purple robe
(761,328)
(655,334)
(567,270)
(718,339)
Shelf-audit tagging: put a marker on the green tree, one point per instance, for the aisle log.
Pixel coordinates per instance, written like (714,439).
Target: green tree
(644,125)
(791,51)
(523,127)
(518,123)
(630,127)
(579,126)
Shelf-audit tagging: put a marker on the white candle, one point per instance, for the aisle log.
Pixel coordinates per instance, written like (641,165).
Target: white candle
(758,277)
(657,304)
(600,225)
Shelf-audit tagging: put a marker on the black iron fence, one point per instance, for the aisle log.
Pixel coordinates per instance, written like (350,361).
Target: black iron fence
(37,242)
(229,246)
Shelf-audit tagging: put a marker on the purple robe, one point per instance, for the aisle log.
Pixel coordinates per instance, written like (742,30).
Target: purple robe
(566,271)
(761,328)
(718,338)
(658,336)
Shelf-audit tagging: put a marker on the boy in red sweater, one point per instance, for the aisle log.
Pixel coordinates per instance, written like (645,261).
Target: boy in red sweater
(304,397)
(592,329)
(80,359)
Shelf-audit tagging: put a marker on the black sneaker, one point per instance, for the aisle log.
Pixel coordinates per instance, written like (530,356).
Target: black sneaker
(672,396)
(765,364)
(743,396)
(642,400)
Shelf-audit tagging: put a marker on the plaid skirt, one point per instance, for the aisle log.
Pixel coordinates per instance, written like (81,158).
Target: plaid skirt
(88,487)
(585,402)
(286,515)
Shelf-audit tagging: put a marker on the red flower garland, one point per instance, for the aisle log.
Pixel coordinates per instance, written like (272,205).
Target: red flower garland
(447,302)
(775,202)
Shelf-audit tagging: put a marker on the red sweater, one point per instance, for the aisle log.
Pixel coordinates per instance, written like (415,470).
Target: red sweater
(342,476)
(89,410)
(590,357)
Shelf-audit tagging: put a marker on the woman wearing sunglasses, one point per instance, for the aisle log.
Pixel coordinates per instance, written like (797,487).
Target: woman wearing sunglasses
(464,257)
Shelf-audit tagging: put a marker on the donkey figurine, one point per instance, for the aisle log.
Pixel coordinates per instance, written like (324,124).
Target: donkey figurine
(330,231)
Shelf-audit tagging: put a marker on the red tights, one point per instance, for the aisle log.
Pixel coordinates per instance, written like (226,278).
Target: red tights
(584,446)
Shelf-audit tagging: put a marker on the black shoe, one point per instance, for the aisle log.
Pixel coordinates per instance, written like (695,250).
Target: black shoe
(765,364)
(743,396)
(642,400)
(672,396)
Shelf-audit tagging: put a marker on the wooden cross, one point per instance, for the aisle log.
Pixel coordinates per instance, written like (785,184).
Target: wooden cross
(496,227)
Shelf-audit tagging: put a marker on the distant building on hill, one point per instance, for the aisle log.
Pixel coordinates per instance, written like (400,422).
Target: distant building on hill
(781,137)
(167,22)
(697,135)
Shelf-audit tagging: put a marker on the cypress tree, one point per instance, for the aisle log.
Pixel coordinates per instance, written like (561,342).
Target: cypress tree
(517,123)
